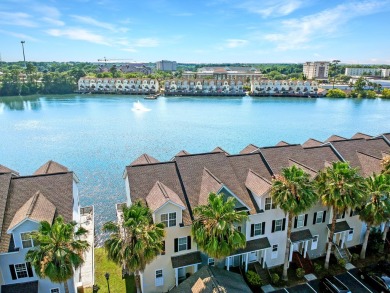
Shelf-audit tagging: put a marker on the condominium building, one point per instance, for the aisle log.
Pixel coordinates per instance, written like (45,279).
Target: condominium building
(222,73)
(25,201)
(118,85)
(284,87)
(165,65)
(204,87)
(172,189)
(363,71)
(316,70)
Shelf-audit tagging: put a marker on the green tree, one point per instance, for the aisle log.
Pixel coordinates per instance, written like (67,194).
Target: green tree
(336,93)
(213,228)
(370,94)
(377,208)
(386,94)
(340,187)
(136,241)
(58,251)
(294,193)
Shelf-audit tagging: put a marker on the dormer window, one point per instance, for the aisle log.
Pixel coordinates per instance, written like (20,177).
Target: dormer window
(169,219)
(27,240)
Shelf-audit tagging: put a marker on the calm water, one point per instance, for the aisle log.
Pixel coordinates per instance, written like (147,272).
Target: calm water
(97,136)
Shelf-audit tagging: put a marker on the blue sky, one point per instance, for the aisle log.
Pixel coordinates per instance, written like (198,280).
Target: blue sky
(250,31)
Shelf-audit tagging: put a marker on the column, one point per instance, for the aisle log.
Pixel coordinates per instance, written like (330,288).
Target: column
(177,277)
(291,251)
(264,257)
(246,261)
(305,250)
(228,263)
(195,268)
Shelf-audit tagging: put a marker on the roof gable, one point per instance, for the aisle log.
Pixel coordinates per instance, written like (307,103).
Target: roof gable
(219,150)
(210,184)
(250,148)
(311,142)
(51,167)
(38,208)
(4,169)
(369,164)
(335,138)
(257,184)
(361,135)
(306,169)
(160,194)
(143,160)
(282,143)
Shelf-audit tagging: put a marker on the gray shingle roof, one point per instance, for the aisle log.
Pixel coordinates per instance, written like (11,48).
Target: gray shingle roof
(301,235)
(257,184)
(340,226)
(4,169)
(186,259)
(249,149)
(51,167)
(161,194)
(277,157)
(253,245)
(26,287)
(311,142)
(335,138)
(361,135)
(144,159)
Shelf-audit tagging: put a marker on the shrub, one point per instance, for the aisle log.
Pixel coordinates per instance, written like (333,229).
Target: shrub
(370,94)
(355,257)
(300,272)
(317,268)
(336,93)
(386,94)
(341,262)
(253,278)
(275,278)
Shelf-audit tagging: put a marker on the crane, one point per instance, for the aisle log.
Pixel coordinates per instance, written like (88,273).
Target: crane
(105,60)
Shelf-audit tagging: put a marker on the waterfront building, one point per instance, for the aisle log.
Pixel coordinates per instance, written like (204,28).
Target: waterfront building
(165,65)
(364,71)
(25,201)
(225,73)
(316,70)
(172,189)
(204,87)
(284,87)
(118,85)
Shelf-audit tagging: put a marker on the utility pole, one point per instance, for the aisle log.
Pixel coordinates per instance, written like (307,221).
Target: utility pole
(24,57)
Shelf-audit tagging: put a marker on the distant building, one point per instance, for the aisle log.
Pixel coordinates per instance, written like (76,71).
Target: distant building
(222,73)
(316,70)
(363,71)
(128,68)
(165,65)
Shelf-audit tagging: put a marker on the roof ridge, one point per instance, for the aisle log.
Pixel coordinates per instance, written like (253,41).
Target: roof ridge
(32,204)
(48,166)
(162,188)
(299,163)
(368,155)
(147,158)
(212,175)
(259,176)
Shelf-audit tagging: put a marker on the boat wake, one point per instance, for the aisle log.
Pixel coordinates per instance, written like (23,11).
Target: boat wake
(138,107)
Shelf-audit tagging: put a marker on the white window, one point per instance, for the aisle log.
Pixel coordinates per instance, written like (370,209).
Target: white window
(27,241)
(55,290)
(169,219)
(350,234)
(258,229)
(300,221)
(182,243)
(319,217)
(21,270)
(314,242)
(274,251)
(159,278)
(211,261)
(269,204)
(278,225)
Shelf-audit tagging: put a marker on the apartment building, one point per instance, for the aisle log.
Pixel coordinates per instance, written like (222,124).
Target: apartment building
(119,85)
(283,87)
(367,71)
(25,201)
(204,87)
(316,70)
(225,73)
(173,188)
(165,65)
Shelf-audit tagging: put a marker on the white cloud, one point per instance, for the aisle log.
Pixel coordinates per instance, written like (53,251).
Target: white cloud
(53,21)
(275,8)
(91,21)
(146,42)
(79,34)
(17,18)
(47,11)
(18,35)
(234,43)
(305,32)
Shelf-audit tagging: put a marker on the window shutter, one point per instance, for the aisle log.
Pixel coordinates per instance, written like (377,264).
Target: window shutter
(323,217)
(176,244)
(305,224)
(13,273)
(188,242)
(29,270)
(252,230)
(315,218)
(163,248)
(273,226)
(295,222)
(263,228)
(284,224)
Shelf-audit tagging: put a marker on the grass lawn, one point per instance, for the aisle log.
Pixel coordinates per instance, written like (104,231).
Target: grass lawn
(102,265)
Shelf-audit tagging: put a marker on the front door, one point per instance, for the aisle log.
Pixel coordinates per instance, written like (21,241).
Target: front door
(236,260)
(181,274)
(253,256)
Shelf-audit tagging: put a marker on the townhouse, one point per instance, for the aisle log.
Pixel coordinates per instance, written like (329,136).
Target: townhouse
(118,85)
(204,87)
(225,73)
(24,202)
(283,87)
(172,189)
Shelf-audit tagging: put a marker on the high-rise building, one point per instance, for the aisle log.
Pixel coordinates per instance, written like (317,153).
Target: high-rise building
(316,70)
(165,65)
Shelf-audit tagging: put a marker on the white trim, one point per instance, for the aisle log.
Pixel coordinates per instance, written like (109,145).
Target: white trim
(168,226)
(20,223)
(232,193)
(169,201)
(51,290)
(21,240)
(160,280)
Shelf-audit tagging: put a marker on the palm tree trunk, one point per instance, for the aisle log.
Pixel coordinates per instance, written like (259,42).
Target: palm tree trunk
(364,247)
(66,288)
(330,240)
(138,282)
(288,245)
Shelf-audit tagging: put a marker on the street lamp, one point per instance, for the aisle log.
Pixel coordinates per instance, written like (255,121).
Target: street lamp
(95,288)
(24,57)
(334,65)
(107,276)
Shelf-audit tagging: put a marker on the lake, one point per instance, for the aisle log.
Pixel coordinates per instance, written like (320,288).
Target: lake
(97,136)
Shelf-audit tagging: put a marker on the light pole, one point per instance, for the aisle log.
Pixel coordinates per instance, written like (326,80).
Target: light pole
(334,65)
(107,276)
(24,57)
(95,288)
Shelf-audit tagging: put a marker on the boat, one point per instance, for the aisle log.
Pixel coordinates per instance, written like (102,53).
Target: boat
(138,107)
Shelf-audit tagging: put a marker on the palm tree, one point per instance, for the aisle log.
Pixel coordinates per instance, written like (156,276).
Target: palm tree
(294,193)
(213,228)
(59,250)
(135,241)
(386,165)
(377,209)
(340,187)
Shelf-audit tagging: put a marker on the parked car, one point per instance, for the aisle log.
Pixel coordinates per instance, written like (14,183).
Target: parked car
(334,285)
(384,266)
(376,276)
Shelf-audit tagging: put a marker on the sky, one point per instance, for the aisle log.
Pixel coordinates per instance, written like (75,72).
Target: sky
(196,31)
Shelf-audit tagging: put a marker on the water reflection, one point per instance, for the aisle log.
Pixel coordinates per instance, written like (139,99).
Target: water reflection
(21,103)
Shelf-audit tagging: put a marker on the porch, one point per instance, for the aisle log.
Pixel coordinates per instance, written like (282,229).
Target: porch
(299,242)
(185,265)
(343,232)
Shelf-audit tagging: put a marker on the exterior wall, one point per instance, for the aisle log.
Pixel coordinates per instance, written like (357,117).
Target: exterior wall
(316,70)
(361,71)
(76,202)
(165,65)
